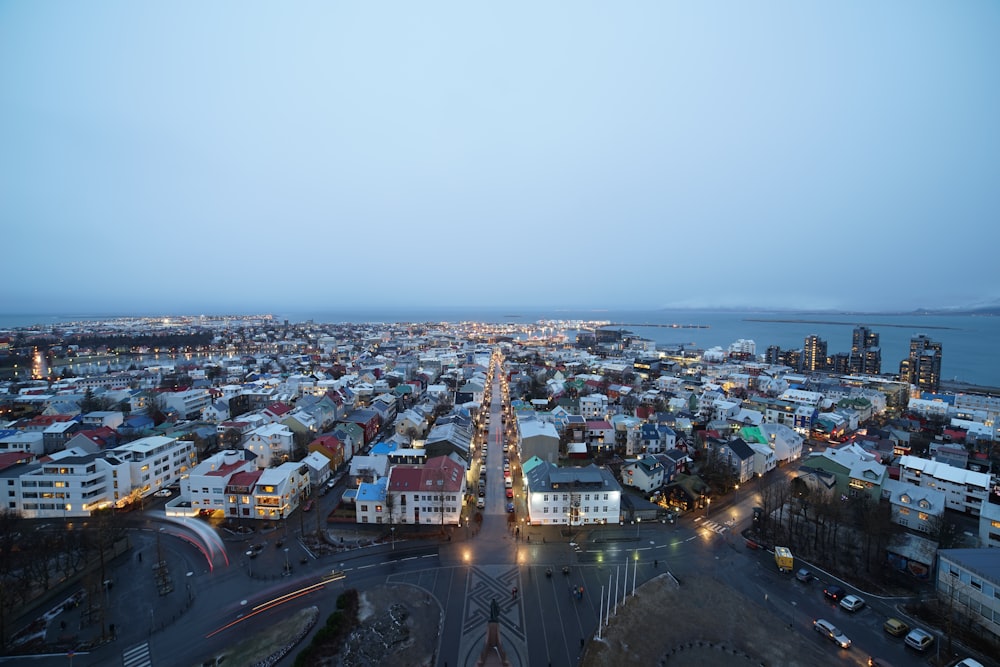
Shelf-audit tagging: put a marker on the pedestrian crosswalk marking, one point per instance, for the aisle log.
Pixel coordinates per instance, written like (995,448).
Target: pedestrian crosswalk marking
(137,656)
(716,527)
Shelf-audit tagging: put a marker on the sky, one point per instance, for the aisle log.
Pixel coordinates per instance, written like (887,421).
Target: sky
(188,157)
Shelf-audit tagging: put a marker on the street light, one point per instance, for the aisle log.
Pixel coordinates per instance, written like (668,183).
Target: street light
(392,533)
(638,520)
(288,569)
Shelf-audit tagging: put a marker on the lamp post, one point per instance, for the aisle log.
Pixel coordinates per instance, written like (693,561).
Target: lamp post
(392,533)
(638,520)
(288,569)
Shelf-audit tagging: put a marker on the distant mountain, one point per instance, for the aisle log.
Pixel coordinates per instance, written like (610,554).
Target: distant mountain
(993,310)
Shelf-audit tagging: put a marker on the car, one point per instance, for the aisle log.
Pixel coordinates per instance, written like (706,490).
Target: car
(510,507)
(852,603)
(834,593)
(831,632)
(895,627)
(163,493)
(482,493)
(510,493)
(804,575)
(308,506)
(969,662)
(919,639)
(481,503)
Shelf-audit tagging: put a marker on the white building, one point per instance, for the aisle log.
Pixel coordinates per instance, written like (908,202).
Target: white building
(764,460)
(187,403)
(784,440)
(430,493)
(964,490)
(968,580)
(270,443)
(205,487)
(73,483)
(575,496)
(594,406)
(916,507)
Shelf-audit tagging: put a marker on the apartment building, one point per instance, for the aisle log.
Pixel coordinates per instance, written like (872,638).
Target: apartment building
(964,490)
(571,495)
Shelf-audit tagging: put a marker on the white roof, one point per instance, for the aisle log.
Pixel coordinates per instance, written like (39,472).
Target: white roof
(945,472)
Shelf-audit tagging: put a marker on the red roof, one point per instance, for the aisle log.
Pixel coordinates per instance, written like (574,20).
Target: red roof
(278,409)
(245,479)
(8,459)
(48,420)
(443,469)
(598,424)
(329,442)
(226,469)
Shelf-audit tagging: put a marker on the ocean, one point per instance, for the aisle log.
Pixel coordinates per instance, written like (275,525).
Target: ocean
(966,353)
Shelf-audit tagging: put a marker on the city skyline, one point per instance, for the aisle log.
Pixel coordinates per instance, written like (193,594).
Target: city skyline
(254,158)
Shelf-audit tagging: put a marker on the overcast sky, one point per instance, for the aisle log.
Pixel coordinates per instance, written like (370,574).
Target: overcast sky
(255,156)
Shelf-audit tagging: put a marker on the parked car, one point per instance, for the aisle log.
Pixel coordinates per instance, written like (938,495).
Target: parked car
(308,506)
(163,493)
(510,493)
(481,503)
(919,639)
(834,593)
(895,627)
(804,575)
(852,602)
(510,507)
(969,662)
(831,632)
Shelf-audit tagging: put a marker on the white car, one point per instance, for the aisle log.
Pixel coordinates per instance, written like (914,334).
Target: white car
(481,503)
(831,632)
(852,602)
(163,493)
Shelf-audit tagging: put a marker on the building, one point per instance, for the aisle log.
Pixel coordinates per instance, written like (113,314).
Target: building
(645,473)
(430,493)
(537,438)
(968,581)
(206,486)
(814,353)
(914,507)
(866,355)
(989,521)
(271,443)
(73,482)
(923,367)
(572,495)
(850,471)
(965,490)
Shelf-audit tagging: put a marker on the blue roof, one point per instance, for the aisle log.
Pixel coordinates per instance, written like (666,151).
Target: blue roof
(384,448)
(374,492)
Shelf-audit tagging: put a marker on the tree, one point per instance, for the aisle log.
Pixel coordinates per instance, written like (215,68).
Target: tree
(156,408)
(232,438)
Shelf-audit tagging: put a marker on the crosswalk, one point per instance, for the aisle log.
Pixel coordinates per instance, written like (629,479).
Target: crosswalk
(137,656)
(719,528)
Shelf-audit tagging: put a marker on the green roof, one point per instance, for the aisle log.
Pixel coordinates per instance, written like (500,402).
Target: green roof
(753,434)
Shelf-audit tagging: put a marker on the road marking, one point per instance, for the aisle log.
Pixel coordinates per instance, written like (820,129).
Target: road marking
(137,656)
(691,538)
(408,558)
(363,567)
(429,556)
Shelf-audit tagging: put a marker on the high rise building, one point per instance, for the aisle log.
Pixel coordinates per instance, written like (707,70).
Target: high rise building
(814,353)
(866,356)
(923,367)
